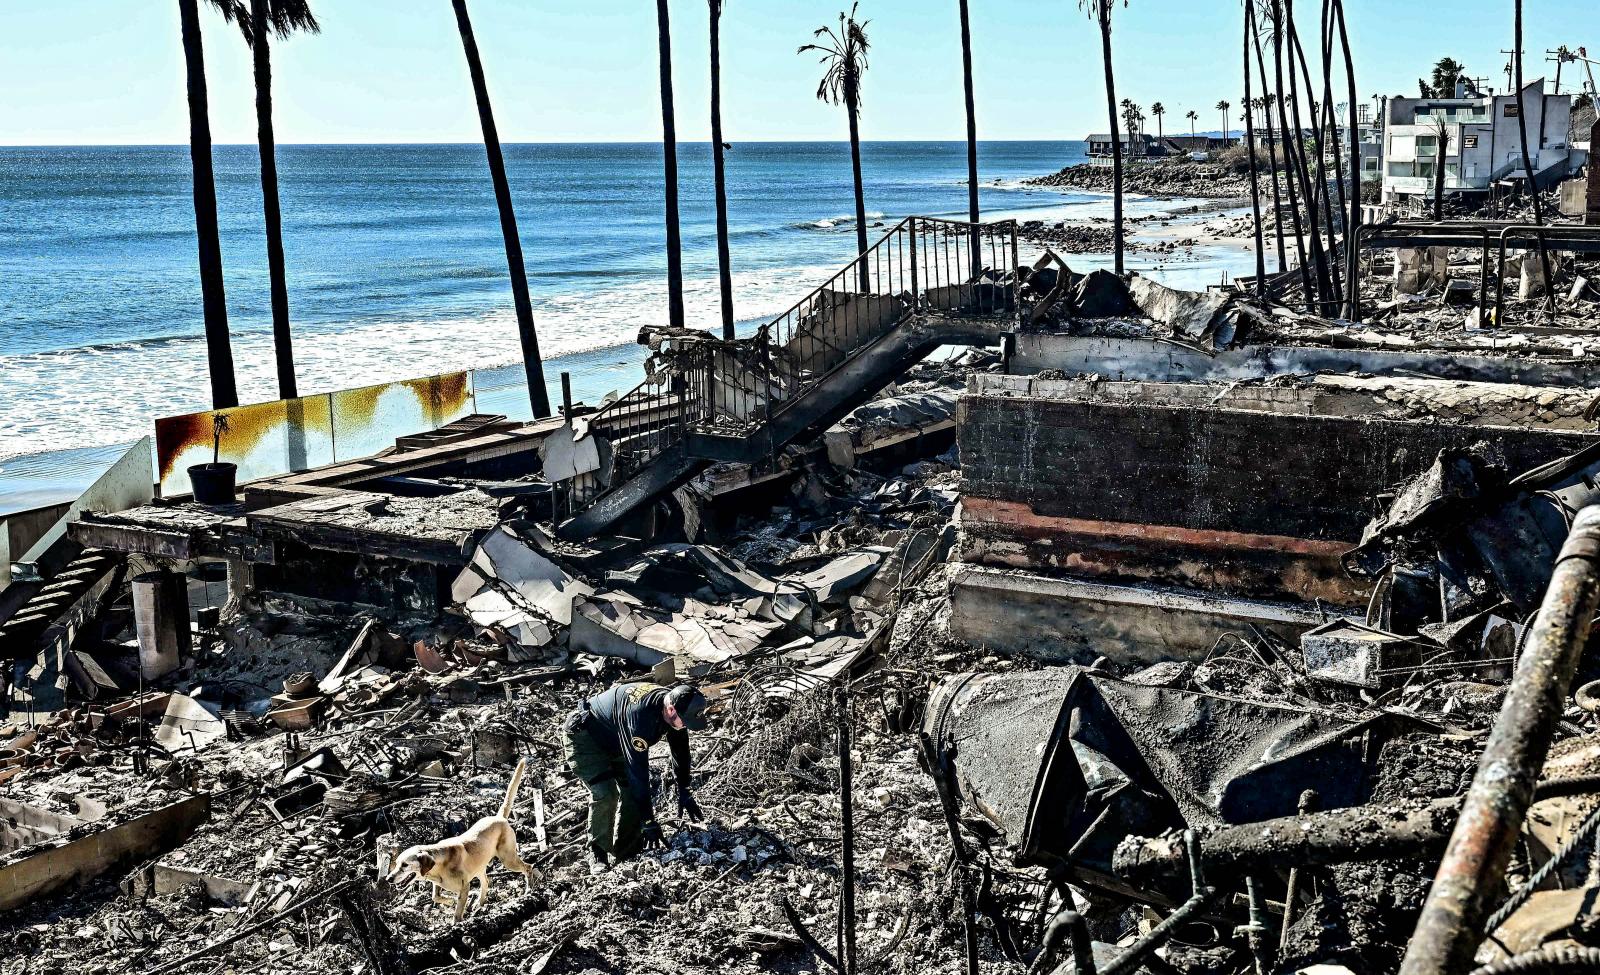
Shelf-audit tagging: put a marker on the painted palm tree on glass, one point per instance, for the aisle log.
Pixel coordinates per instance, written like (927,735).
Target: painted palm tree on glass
(843,53)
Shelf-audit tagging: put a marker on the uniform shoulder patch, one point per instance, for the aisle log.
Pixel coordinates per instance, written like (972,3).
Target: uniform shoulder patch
(639,744)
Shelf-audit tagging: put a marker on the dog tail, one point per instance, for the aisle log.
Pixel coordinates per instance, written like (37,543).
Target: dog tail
(511,790)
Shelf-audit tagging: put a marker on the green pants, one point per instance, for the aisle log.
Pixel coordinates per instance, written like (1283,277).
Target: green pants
(615,826)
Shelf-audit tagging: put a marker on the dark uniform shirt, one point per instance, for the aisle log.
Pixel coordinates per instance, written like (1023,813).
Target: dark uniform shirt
(626,721)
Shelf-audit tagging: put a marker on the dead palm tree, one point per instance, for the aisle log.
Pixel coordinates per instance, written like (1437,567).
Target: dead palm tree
(267,18)
(1527,156)
(844,55)
(537,394)
(1353,221)
(669,156)
(972,115)
(972,137)
(1250,147)
(208,236)
(1100,12)
(1193,117)
(1159,110)
(724,261)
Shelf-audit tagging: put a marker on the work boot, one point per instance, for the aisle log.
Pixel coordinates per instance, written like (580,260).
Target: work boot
(599,863)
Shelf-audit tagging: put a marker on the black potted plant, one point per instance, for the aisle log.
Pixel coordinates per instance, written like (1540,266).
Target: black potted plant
(213,483)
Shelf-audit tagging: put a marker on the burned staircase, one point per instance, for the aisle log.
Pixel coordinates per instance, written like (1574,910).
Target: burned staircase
(925,283)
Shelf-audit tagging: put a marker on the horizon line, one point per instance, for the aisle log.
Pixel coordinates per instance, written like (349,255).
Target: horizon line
(596,142)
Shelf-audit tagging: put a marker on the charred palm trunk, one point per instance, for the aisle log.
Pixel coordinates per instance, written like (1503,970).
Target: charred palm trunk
(208,236)
(538,396)
(1315,192)
(669,156)
(1250,146)
(1274,151)
(1104,13)
(1289,138)
(852,104)
(724,260)
(1333,128)
(1352,227)
(1527,158)
(282,343)
(1438,173)
(972,138)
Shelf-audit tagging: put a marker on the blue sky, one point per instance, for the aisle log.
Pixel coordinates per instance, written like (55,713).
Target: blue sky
(111,71)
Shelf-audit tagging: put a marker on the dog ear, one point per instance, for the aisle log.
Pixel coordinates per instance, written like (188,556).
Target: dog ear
(425,864)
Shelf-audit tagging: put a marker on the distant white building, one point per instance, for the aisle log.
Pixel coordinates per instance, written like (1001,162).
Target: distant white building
(1483,146)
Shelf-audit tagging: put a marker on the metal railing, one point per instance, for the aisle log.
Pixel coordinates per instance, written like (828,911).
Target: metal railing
(708,385)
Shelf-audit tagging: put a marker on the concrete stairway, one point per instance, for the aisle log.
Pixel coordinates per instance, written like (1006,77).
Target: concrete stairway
(926,283)
(48,602)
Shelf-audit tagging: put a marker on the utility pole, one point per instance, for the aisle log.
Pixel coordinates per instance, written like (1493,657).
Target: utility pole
(1511,60)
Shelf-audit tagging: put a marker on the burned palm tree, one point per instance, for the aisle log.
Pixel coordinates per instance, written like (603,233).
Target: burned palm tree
(538,395)
(719,173)
(972,137)
(1250,148)
(669,157)
(208,235)
(1527,156)
(1353,221)
(844,56)
(1100,12)
(269,18)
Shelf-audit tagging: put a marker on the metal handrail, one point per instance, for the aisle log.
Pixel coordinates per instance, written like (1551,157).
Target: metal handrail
(913,266)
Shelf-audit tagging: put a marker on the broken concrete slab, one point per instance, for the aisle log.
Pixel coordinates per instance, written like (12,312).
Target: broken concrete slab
(189,725)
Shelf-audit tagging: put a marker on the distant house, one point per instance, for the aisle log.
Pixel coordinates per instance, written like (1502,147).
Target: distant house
(1483,145)
(1135,144)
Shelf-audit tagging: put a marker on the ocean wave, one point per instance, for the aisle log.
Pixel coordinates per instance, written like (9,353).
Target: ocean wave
(833,223)
(110,392)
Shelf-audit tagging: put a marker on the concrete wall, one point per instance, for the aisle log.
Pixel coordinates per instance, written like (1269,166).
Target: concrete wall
(1239,502)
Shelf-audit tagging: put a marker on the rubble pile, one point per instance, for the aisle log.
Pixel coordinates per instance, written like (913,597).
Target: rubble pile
(872,787)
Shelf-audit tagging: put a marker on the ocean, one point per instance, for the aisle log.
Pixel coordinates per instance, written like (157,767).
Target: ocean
(396,266)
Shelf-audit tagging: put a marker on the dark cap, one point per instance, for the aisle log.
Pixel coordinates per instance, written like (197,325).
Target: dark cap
(690,705)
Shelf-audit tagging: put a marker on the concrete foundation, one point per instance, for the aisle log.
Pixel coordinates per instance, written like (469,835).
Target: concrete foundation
(1067,620)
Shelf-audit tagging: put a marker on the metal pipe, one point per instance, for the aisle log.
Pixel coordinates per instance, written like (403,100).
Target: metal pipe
(1474,863)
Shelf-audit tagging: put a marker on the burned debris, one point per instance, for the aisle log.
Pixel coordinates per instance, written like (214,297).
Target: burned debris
(1175,633)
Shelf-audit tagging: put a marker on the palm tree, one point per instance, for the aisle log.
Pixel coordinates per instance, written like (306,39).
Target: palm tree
(538,395)
(1353,221)
(1193,117)
(844,53)
(213,297)
(724,262)
(283,18)
(972,138)
(1130,120)
(1527,156)
(1223,106)
(1159,110)
(669,156)
(1250,147)
(1289,141)
(1100,11)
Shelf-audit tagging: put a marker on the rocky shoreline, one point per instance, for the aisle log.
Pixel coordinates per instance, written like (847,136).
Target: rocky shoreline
(1206,180)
